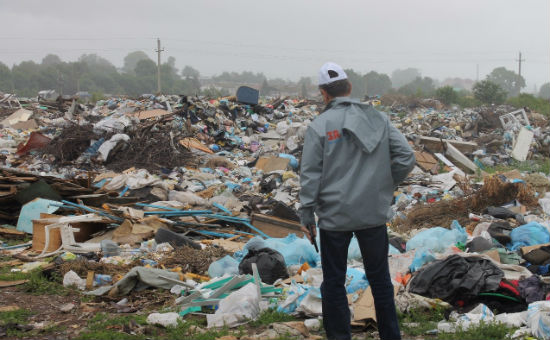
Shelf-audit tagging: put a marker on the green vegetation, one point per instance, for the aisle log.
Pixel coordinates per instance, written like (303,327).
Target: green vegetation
(420,320)
(447,95)
(489,92)
(528,100)
(11,321)
(39,284)
(105,326)
(270,316)
(16,316)
(486,331)
(539,165)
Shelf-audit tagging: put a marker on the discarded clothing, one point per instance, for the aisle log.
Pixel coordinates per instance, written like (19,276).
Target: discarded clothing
(456,277)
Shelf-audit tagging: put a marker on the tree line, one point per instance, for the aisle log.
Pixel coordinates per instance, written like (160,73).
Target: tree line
(138,75)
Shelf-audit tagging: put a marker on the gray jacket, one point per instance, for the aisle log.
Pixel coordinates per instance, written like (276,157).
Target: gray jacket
(352,161)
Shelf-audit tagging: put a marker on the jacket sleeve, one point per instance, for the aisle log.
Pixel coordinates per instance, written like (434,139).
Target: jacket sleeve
(402,156)
(310,176)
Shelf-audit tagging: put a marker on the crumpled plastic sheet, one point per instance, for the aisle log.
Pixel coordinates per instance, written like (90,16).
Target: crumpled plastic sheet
(139,278)
(538,319)
(467,320)
(238,308)
(438,239)
(295,250)
(529,234)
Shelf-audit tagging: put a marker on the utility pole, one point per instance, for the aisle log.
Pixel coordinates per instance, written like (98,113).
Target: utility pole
(477,72)
(158,50)
(519,63)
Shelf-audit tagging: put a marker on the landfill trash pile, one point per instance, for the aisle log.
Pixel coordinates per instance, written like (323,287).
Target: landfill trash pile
(198,198)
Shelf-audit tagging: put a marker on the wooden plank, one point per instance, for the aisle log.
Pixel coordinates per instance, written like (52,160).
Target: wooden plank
(193,143)
(146,114)
(426,161)
(11,233)
(437,145)
(4,284)
(276,227)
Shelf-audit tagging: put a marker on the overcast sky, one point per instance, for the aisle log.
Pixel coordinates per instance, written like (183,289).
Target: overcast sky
(290,38)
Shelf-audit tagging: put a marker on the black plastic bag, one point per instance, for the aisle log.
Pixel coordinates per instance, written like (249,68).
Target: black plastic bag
(271,264)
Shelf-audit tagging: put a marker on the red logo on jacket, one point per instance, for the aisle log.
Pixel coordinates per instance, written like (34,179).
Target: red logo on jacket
(333,135)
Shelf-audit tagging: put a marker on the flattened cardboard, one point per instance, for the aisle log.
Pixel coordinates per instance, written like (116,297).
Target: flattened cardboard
(363,308)
(268,164)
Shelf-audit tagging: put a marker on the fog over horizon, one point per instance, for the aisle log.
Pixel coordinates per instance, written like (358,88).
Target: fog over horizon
(290,39)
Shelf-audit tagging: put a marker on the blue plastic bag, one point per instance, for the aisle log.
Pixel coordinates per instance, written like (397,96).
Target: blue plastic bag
(529,234)
(225,265)
(421,257)
(295,250)
(438,239)
(358,280)
(354,253)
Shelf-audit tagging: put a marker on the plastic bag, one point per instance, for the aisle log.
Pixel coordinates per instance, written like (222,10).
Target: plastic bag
(163,319)
(421,257)
(295,250)
(529,234)
(238,308)
(271,264)
(354,252)
(225,266)
(72,279)
(438,239)
(538,319)
(186,197)
(356,280)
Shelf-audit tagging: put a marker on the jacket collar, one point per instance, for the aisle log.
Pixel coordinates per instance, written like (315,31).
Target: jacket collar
(340,100)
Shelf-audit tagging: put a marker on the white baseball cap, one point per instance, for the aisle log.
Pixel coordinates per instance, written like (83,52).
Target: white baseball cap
(331,72)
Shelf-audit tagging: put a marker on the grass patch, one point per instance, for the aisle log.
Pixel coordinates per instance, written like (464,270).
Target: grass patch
(16,316)
(539,165)
(270,316)
(40,285)
(420,320)
(11,320)
(486,331)
(105,326)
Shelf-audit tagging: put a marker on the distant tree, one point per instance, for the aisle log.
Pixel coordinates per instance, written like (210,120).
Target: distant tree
(6,84)
(400,78)
(544,91)
(447,95)
(190,72)
(51,59)
(145,67)
(131,60)
(304,83)
(419,87)
(97,64)
(358,85)
(488,92)
(239,78)
(509,81)
(266,89)
(377,83)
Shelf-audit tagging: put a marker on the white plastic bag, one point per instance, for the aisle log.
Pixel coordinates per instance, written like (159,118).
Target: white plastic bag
(538,319)
(163,319)
(72,279)
(236,309)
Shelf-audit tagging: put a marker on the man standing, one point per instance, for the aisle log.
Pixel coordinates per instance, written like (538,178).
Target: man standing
(352,161)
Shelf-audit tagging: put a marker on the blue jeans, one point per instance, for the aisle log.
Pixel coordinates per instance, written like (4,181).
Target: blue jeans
(373,243)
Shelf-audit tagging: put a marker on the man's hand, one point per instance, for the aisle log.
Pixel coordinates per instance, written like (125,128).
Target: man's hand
(306,230)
